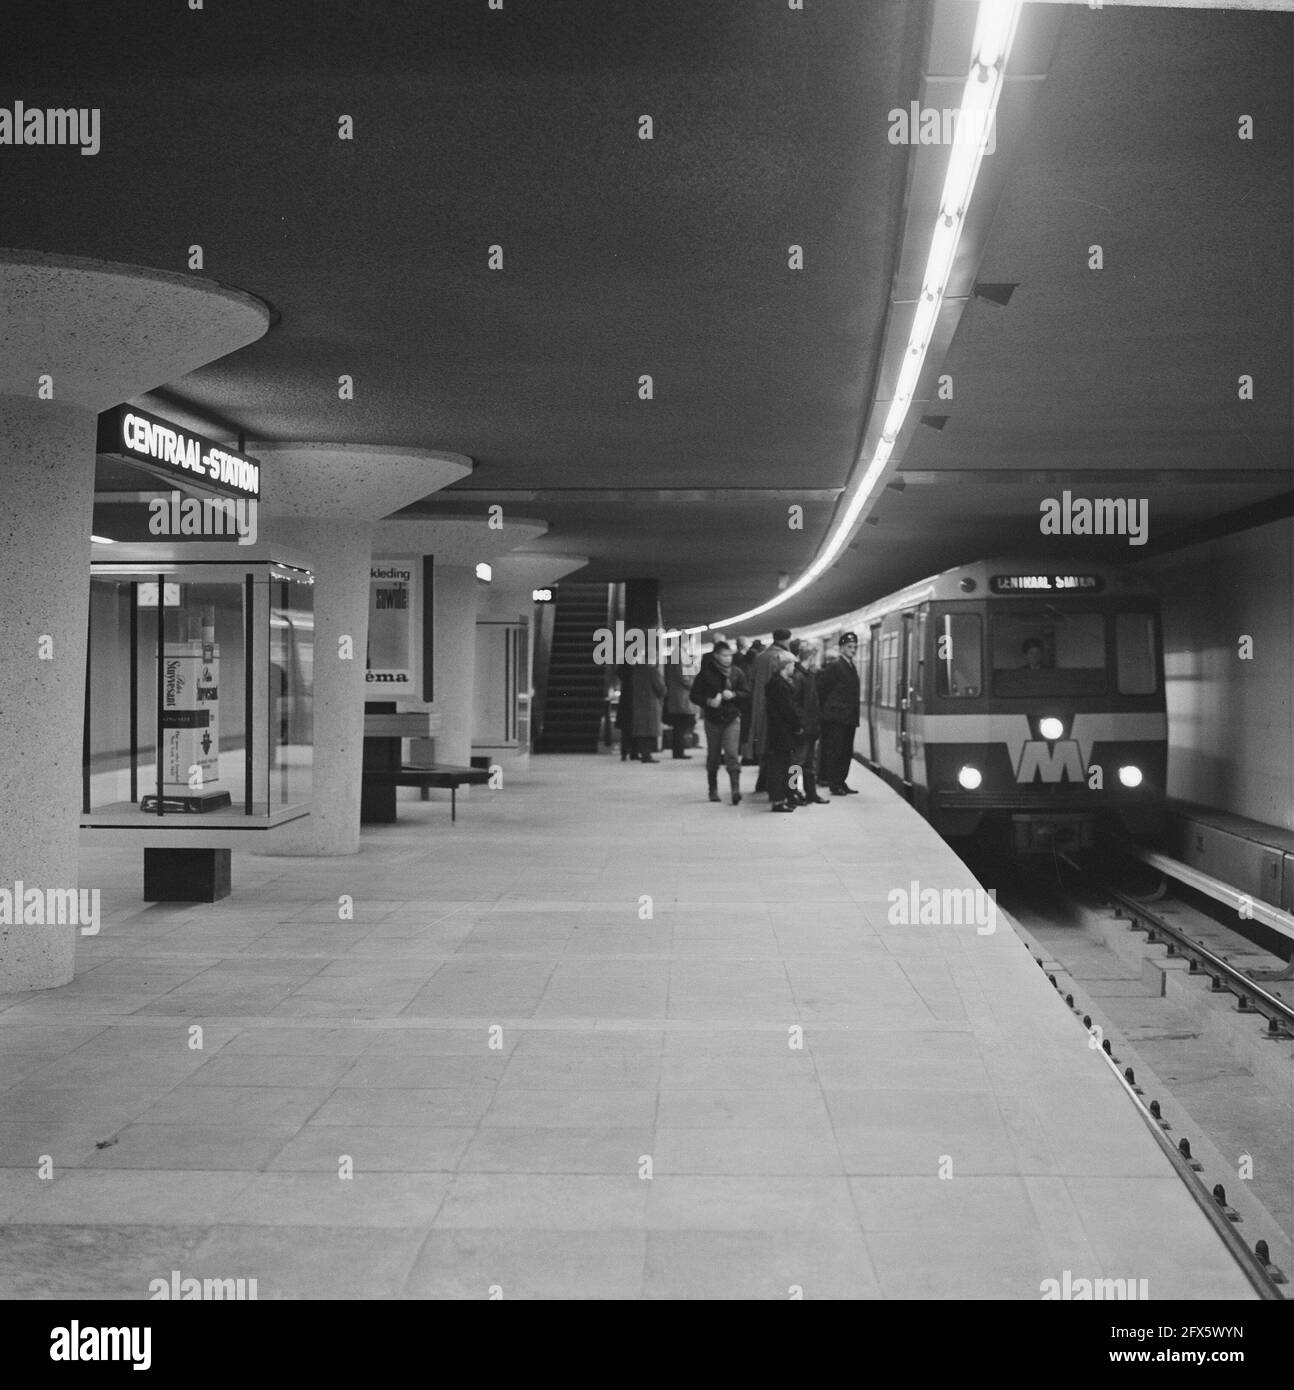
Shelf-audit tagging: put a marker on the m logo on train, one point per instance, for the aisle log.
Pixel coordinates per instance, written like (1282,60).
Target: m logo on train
(1050,763)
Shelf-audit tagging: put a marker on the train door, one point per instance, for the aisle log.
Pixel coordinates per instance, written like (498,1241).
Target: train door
(903,722)
(871,692)
(911,702)
(889,691)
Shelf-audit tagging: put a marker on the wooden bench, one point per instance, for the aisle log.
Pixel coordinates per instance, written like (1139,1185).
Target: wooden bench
(434,775)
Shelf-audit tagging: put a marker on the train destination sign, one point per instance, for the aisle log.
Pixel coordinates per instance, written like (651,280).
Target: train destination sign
(1046,583)
(135,434)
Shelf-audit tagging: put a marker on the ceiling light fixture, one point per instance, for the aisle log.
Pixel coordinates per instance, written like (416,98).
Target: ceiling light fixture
(995,28)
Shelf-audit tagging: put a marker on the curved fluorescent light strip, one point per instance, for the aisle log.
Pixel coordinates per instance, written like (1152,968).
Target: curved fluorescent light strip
(995,29)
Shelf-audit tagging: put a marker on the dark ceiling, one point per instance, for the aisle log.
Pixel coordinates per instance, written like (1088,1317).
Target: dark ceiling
(519,127)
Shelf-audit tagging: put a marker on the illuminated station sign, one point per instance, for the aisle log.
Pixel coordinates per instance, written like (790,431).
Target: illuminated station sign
(144,438)
(1046,584)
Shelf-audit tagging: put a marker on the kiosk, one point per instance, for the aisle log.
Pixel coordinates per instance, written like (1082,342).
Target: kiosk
(198,734)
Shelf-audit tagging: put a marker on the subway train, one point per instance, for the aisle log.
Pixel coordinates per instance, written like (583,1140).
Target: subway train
(1016,703)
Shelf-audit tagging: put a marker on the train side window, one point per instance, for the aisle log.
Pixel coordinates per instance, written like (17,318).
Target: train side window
(892,675)
(917,658)
(959,648)
(1135,639)
(874,665)
(889,669)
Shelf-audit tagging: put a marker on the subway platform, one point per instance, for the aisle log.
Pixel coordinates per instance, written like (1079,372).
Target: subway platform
(599,1039)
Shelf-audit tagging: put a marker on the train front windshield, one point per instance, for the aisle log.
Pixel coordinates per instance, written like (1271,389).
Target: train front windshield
(1048,651)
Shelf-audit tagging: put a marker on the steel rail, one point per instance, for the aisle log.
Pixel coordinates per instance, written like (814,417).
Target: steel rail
(1248,990)
(1250,1263)
(1252,996)
(1249,907)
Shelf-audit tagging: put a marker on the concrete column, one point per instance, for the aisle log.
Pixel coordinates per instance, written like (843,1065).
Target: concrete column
(454,674)
(47,468)
(457,544)
(341,552)
(76,336)
(323,499)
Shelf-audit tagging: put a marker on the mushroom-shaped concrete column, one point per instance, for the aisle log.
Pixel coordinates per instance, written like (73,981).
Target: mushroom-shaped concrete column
(76,336)
(457,545)
(516,577)
(324,499)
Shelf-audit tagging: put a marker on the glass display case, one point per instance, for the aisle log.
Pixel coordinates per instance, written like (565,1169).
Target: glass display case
(199,695)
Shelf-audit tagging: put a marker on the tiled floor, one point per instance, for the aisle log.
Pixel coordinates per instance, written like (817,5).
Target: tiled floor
(600,1039)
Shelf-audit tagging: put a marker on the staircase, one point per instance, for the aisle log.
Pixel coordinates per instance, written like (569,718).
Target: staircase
(575,694)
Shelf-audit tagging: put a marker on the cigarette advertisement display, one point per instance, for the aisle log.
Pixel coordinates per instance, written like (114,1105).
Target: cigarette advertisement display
(390,658)
(190,717)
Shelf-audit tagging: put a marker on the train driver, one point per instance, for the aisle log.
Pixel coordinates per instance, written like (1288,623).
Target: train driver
(1033,654)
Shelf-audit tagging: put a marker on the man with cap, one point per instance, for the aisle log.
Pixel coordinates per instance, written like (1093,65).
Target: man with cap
(760,671)
(838,699)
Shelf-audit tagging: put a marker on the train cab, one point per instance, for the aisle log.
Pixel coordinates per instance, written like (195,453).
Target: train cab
(1019,702)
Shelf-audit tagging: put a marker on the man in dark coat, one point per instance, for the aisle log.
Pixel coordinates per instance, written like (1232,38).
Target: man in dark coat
(761,669)
(838,697)
(784,726)
(721,692)
(648,702)
(805,683)
(747,651)
(625,713)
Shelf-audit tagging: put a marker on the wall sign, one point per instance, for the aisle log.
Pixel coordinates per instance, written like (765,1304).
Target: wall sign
(390,657)
(135,434)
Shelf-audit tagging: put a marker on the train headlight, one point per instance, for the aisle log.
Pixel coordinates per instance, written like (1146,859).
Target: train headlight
(1050,728)
(1130,776)
(970,778)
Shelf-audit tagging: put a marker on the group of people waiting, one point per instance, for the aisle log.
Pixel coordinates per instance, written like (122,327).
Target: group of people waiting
(646,700)
(769,707)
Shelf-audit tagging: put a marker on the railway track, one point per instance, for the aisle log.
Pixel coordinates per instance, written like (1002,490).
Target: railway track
(1231,1006)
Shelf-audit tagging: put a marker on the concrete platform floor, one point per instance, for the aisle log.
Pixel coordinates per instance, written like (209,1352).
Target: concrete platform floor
(600,1039)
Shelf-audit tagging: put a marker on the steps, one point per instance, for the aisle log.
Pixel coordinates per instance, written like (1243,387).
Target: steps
(575,695)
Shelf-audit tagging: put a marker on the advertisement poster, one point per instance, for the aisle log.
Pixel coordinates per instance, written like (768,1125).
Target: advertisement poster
(390,656)
(190,717)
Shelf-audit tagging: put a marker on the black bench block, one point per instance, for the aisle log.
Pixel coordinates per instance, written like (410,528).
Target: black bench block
(187,875)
